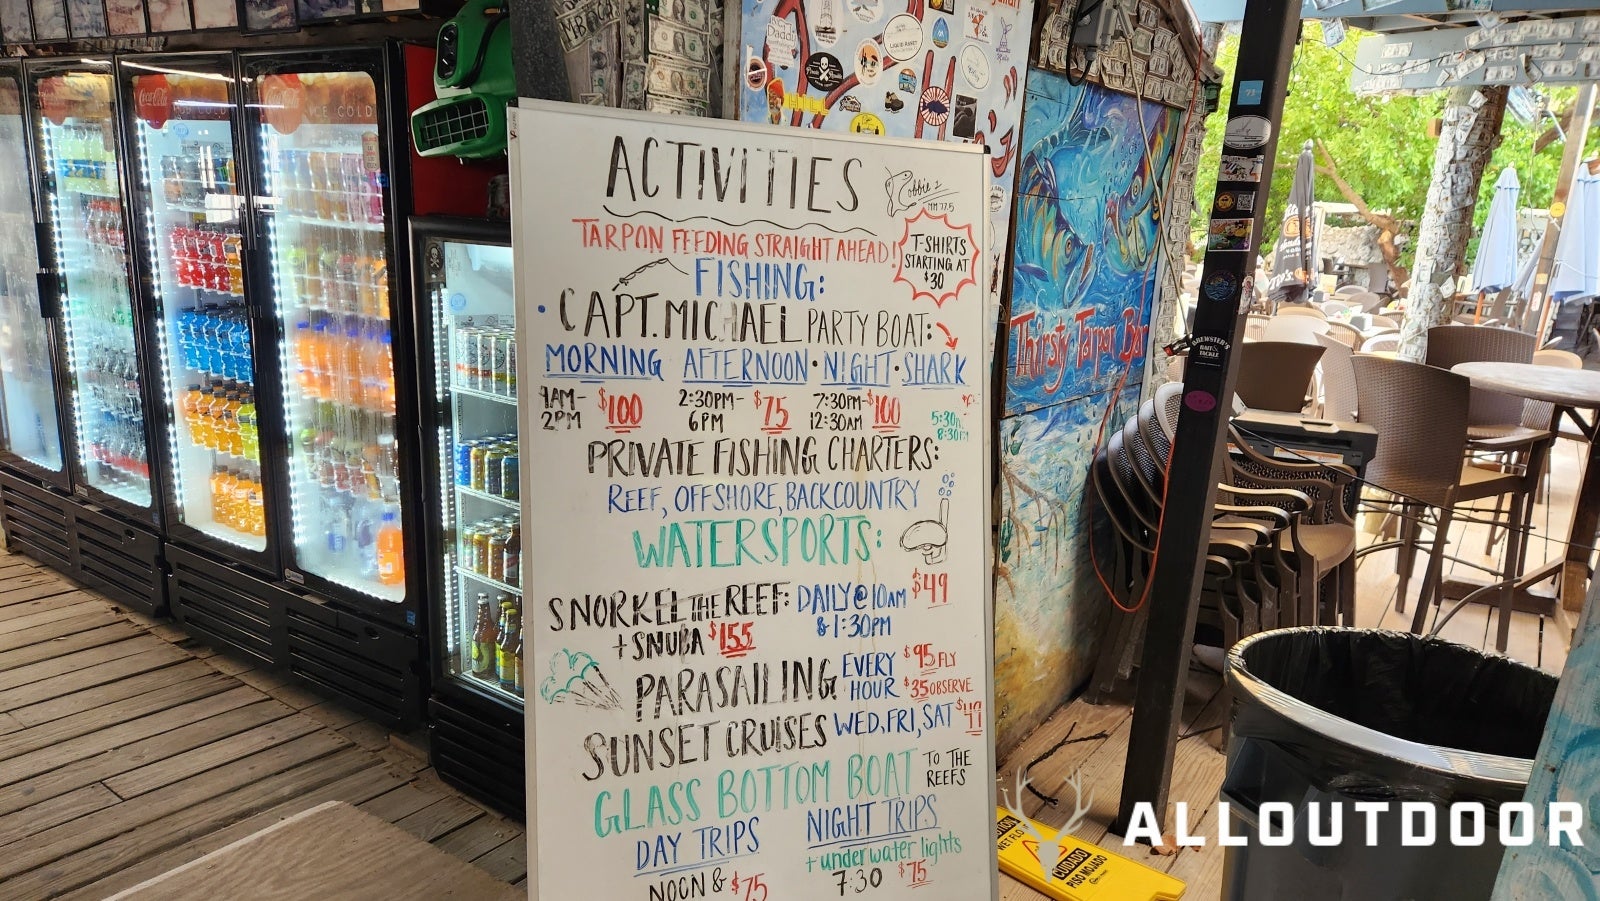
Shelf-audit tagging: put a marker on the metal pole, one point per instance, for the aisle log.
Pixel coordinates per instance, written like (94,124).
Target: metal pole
(1255,112)
(1577,132)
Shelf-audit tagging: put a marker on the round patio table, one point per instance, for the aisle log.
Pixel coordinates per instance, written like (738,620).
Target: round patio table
(1570,390)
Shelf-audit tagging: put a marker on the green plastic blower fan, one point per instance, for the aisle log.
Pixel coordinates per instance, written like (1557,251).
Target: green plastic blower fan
(474,81)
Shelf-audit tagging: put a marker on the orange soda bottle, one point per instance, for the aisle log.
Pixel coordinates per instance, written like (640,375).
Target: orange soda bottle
(305,362)
(323,370)
(391,550)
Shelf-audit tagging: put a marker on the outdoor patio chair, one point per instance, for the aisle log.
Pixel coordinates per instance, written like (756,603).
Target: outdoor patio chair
(1318,584)
(1290,309)
(1369,301)
(1347,290)
(1276,375)
(1495,420)
(1294,328)
(1255,327)
(1387,341)
(1390,319)
(1420,413)
(1338,380)
(1345,333)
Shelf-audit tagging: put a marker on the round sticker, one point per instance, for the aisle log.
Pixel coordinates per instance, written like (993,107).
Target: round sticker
(824,71)
(756,73)
(941,34)
(827,28)
(974,66)
(935,105)
(866,10)
(283,101)
(902,37)
(1247,132)
(869,63)
(1224,201)
(152,99)
(1220,285)
(1200,401)
(866,124)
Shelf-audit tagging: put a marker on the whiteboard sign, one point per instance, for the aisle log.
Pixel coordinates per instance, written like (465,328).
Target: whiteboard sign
(754,408)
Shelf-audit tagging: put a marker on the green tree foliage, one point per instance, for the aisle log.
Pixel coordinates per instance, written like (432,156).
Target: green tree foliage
(1380,144)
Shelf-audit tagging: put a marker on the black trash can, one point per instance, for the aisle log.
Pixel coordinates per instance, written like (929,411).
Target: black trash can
(1326,718)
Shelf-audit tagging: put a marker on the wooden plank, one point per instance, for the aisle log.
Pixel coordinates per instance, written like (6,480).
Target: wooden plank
(124,758)
(78,660)
(54,811)
(77,603)
(478,837)
(146,835)
(1074,723)
(507,863)
(83,747)
(27,578)
(331,714)
(231,665)
(187,795)
(361,786)
(66,644)
(90,676)
(443,815)
(402,802)
(332,851)
(8,723)
(42,589)
(124,699)
(367,734)
(13,637)
(152,776)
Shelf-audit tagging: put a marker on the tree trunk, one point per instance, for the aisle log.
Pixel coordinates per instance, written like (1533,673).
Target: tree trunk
(1470,132)
(1388,227)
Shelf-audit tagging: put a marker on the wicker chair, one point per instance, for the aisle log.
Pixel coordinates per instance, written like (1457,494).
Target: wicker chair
(1338,381)
(1345,333)
(1301,310)
(1295,328)
(1276,375)
(1420,413)
(1391,319)
(1381,342)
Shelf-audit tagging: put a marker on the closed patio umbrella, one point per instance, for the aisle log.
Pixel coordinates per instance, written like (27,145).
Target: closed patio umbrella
(1294,260)
(1495,269)
(1576,272)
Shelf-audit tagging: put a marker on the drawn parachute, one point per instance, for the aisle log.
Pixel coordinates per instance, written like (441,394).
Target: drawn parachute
(575,677)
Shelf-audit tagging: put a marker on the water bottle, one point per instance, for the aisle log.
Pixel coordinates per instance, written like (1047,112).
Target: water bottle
(366,536)
(338,528)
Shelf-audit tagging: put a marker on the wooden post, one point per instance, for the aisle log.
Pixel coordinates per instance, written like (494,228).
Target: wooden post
(1468,135)
(1577,132)
(1255,116)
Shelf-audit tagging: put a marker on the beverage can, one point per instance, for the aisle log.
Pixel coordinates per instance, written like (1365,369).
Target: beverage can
(467,357)
(498,370)
(498,542)
(480,454)
(464,462)
(469,537)
(484,374)
(510,475)
(511,363)
(480,549)
(492,482)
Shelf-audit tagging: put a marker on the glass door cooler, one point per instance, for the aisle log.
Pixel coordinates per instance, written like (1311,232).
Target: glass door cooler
(320,130)
(30,420)
(186,177)
(463,278)
(76,134)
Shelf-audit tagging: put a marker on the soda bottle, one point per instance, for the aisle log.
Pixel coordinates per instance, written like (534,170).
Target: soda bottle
(383,373)
(249,428)
(323,369)
(240,507)
(258,512)
(505,656)
(517,653)
(353,188)
(391,550)
(328,267)
(380,285)
(305,360)
(484,641)
(191,411)
(229,440)
(350,367)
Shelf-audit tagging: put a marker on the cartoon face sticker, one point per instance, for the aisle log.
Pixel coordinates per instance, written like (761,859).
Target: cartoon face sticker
(869,63)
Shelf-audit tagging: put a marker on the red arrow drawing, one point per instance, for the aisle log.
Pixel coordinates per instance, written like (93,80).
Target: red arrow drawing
(948,340)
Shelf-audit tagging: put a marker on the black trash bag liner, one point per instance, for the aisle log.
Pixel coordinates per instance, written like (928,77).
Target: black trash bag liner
(1343,715)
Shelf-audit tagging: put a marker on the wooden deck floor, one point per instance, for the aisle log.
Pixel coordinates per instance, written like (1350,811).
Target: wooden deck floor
(127,749)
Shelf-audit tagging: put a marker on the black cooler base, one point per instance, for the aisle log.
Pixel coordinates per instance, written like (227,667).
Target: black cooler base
(478,748)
